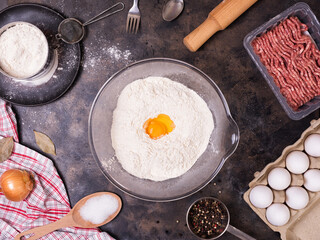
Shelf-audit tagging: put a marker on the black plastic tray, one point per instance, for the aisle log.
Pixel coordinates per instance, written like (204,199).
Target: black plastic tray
(306,16)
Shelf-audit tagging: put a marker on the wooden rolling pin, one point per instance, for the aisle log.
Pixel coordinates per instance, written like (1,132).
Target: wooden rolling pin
(219,18)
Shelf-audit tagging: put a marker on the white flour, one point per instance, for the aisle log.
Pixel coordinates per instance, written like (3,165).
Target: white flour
(117,54)
(45,76)
(23,50)
(94,57)
(173,154)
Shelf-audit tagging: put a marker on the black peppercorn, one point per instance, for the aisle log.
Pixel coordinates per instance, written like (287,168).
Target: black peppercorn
(208,218)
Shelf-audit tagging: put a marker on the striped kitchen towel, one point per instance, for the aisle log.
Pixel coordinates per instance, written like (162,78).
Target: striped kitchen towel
(47,202)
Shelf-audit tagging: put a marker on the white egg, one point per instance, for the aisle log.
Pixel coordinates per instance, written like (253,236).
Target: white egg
(297,162)
(312,180)
(278,214)
(297,197)
(312,145)
(261,196)
(279,178)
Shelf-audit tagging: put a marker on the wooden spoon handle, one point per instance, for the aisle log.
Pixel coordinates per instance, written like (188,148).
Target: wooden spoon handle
(66,221)
(219,18)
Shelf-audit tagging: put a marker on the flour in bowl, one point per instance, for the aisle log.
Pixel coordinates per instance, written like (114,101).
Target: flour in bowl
(23,50)
(148,107)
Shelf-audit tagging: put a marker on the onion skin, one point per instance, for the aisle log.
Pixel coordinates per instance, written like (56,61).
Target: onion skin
(16,184)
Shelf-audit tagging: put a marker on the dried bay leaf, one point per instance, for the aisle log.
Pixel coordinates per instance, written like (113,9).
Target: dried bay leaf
(44,143)
(6,148)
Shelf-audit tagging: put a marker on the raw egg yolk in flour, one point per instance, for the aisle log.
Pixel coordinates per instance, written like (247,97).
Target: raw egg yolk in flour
(159,126)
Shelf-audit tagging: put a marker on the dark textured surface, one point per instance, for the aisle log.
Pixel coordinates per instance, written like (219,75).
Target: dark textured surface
(264,127)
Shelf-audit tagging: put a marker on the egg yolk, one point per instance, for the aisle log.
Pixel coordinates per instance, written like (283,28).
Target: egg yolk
(159,126)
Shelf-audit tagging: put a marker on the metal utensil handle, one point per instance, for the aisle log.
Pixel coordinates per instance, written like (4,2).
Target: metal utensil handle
(238,233)
(101,15)
(135,3)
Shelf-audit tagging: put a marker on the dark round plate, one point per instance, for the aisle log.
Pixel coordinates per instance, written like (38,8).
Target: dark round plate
(69,57)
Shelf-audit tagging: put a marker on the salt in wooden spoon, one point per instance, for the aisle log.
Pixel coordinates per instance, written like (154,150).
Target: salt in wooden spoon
(72,219)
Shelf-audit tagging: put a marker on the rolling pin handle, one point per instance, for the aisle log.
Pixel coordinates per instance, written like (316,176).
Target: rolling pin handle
(219,18)
(202,33)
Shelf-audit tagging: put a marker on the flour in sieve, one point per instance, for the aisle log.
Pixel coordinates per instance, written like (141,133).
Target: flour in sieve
(23,50)
(173,154)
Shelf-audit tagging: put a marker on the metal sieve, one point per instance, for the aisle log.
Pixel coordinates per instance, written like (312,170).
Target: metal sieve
(72,30)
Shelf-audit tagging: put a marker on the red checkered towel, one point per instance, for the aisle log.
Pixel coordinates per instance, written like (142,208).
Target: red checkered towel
(48,200)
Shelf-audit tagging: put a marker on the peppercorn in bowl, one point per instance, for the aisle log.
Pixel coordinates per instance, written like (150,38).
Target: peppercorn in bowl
(208,218)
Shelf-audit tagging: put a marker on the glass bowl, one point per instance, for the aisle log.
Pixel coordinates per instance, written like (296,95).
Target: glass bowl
(223,141)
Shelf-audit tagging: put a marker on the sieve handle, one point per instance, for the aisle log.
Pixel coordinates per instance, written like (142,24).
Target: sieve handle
(238,233)
(105,13)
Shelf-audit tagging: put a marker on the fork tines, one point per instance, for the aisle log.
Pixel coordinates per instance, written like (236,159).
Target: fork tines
(133,22)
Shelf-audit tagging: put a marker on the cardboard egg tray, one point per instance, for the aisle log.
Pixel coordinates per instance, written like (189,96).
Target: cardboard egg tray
(303,223)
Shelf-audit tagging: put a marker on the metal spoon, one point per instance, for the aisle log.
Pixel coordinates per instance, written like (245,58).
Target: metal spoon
(72,219)
(172,9)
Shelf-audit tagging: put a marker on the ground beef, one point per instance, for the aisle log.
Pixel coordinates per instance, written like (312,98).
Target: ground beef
(292,59)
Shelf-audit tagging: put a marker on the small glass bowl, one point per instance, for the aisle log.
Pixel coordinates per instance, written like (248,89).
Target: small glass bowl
(43,67)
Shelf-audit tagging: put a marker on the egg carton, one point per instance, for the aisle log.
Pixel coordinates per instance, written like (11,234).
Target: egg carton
(303,223)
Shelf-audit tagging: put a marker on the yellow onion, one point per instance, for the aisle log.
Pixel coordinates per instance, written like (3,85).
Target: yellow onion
(16,184)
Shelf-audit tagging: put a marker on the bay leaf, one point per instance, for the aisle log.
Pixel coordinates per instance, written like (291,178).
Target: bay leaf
(6,147)
(44,143)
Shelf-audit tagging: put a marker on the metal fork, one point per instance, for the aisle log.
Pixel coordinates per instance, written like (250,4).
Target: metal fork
(133,19)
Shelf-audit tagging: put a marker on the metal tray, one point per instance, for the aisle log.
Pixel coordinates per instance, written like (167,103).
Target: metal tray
(69,57)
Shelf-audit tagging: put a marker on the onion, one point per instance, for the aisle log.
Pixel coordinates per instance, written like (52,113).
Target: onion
(16,184)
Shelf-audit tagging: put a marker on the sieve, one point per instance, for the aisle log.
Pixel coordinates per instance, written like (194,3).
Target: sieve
(71,30)
(226,226)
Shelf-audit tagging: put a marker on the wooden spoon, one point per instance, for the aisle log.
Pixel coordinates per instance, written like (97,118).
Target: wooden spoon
(72,219)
